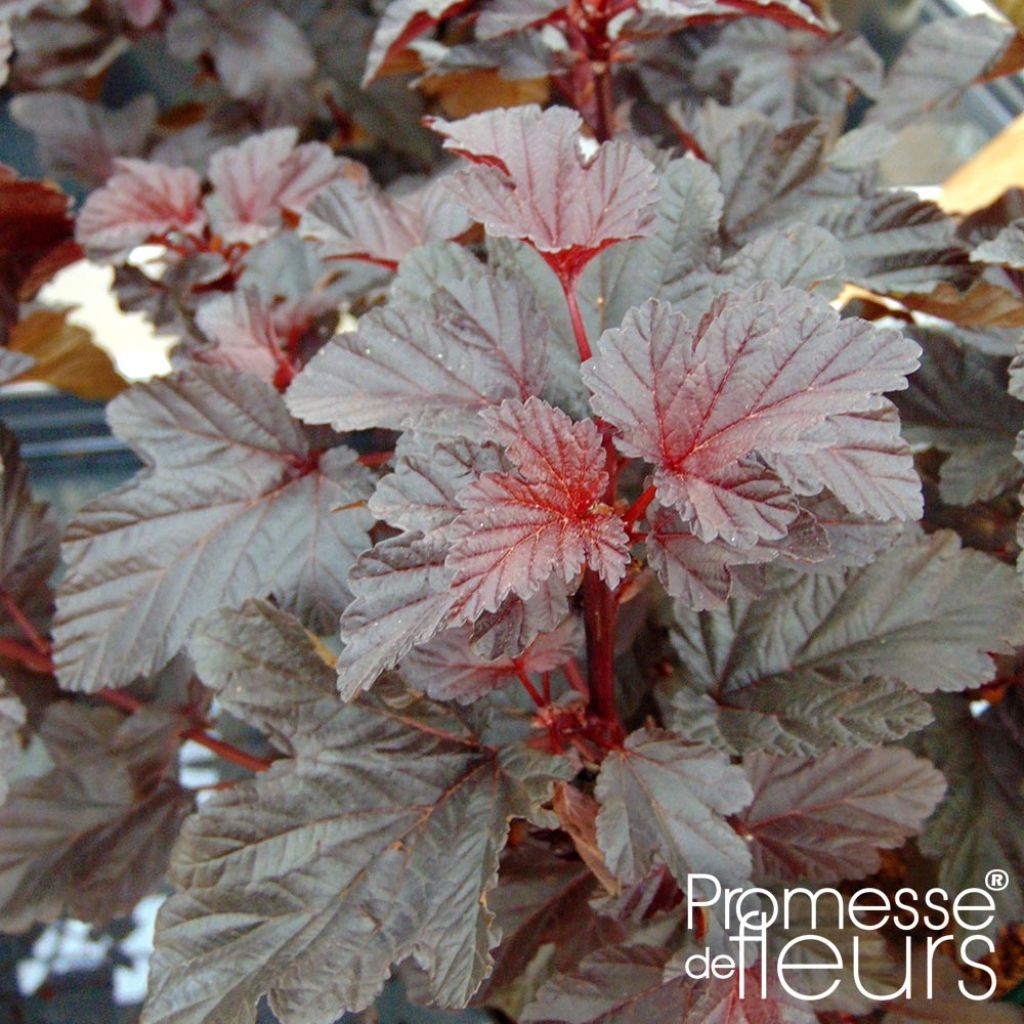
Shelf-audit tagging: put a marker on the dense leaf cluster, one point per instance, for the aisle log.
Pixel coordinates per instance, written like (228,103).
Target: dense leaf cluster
(578,473)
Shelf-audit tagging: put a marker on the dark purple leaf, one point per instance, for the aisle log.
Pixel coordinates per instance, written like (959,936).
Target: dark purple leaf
(435,367)
(826,818)
(447,667)
(664,798)
(234,505)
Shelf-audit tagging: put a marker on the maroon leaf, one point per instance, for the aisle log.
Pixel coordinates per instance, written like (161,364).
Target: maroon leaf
(447,668)
(257,50)
(517,530)
(789,75)
(702,574)
(531,181)
(83,140)
(940,61)
(402,22)
(867,466)
(420,494)
(233,505)
(481,340)
(541,898)
(402,598)
(637,984)
(140,200)
(258,181)
(826,818)
(353,220)
(92,836)
(760,375)
(665,799)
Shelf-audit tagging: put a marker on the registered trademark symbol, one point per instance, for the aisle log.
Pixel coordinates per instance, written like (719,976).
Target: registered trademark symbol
(997,880)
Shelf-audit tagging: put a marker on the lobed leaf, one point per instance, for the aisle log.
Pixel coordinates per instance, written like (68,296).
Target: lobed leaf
(817,661)
(531,181)
(447,667)
(91,837)
(140,200)
(663,797)
(406,367)
(517,530)
(402,597)
(357,220)
(311,881)
(958,403)
(826,818)
(233,506)
(939,62)
(267,176)
(759,375)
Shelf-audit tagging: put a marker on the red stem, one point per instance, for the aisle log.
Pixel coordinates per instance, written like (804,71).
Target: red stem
(226,751)
(605,104)
(26,656)
(40,643)
(43,665)
(599,621)
(575,316)
(529,687)
(638,508)
(575,676)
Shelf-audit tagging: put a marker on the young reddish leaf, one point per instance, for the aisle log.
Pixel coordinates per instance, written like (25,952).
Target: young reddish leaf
(401,23)
(354,220)
(762,372)
(447,668)
(531,181)
(826,818)
(508,631)
(232,505)
(256,182)
(434,367)
(549,519)
(140,200)
(253,336)
(663,798)
(402,598)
